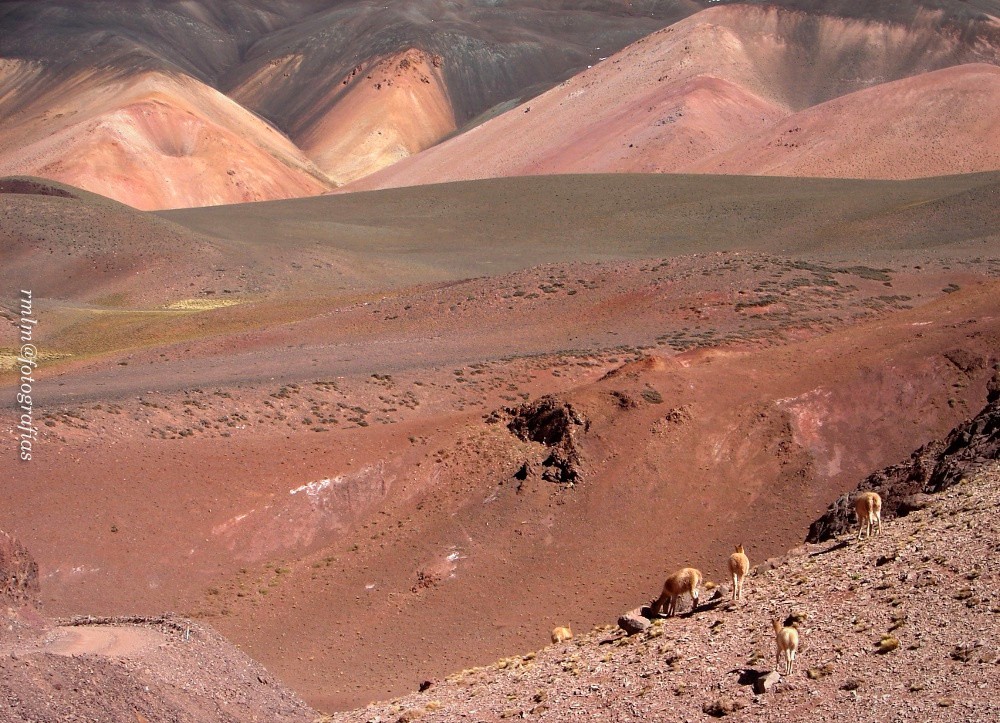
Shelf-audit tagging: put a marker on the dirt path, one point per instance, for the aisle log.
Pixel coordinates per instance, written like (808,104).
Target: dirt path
(106,640)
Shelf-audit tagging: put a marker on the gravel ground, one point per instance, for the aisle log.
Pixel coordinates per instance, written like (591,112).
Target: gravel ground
(927,587)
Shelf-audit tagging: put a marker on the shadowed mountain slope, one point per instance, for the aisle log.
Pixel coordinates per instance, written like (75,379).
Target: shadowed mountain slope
(356,84)
(714,81)
(361,85)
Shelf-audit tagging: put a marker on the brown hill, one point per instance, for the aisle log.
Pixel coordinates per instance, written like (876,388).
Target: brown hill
(356,84)
(932,124)
(393,108)
(151,141)
(78,246)
(707,84)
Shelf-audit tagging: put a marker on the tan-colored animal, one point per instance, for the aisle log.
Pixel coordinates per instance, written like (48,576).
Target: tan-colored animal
(868,507)
(687,580)
(739,566)
(561,634)
(787,640)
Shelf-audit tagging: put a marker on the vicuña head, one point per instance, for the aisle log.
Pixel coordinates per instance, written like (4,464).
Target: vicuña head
(787,640)
(739,566)
(687,580)
(868,507)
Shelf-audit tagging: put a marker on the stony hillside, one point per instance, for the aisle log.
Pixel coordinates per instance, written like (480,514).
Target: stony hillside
(123,669)
(899,627)
(934,467)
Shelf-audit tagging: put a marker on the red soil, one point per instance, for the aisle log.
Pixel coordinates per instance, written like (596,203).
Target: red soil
(349,560)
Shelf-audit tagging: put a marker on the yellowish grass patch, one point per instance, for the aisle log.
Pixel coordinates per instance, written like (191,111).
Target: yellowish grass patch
(202,304)
(9,362)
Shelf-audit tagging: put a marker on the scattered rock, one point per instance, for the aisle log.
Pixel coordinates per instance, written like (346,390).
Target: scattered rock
(18,573)
(524,471)
(887,644)
(547,420)
(624,400)
(795,618)
(973,652)
(912,503)
(722,707)
(765,682)
(770,563)
(553,423)
(886,559)
(633,622)
(851,684)
(562,466)
(678,415)
(965,360)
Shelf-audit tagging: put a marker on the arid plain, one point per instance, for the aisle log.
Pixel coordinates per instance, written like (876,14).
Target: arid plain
(375,437)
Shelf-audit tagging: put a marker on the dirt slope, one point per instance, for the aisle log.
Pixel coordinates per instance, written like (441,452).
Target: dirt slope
(931,124)
(136,669)
(152,141)
(708,83)
(318,470)
(927,587)
(355,84)
(356,527)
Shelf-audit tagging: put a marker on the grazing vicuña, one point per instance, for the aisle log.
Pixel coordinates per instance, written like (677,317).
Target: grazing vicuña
(686,580)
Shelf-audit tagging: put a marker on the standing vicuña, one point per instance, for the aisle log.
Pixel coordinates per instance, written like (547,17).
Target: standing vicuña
(686,580)
(868,507)
(739,566)
(787,640)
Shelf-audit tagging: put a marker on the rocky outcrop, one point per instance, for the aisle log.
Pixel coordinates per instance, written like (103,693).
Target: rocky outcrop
(553,423)
(18,573)
(932,468)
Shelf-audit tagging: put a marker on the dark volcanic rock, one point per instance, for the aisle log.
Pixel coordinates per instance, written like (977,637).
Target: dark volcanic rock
(546,420)
(932,468)
(553,423)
